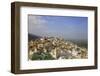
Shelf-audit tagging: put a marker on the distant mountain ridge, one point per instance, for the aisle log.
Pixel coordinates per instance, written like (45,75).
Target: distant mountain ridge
(32,37)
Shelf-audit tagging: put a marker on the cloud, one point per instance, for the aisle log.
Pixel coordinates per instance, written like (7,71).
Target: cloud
(36,24)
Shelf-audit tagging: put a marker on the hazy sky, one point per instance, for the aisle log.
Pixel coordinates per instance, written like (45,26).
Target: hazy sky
(74,28)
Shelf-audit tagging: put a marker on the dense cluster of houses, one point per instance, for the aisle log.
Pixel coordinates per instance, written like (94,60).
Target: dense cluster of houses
(58,48)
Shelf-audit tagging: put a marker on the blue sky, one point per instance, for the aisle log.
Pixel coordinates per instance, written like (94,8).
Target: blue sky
(67,27)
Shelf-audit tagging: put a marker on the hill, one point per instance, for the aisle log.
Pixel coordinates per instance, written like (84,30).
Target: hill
(48,48)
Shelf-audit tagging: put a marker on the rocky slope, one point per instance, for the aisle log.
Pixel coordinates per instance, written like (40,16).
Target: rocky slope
(49,48)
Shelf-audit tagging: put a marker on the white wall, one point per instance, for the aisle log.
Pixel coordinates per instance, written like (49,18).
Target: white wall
(5,33)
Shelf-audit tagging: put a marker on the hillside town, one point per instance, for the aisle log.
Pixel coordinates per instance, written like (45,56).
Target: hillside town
(53,48)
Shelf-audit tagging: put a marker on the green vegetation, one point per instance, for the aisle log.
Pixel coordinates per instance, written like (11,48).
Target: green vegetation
(42,56)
